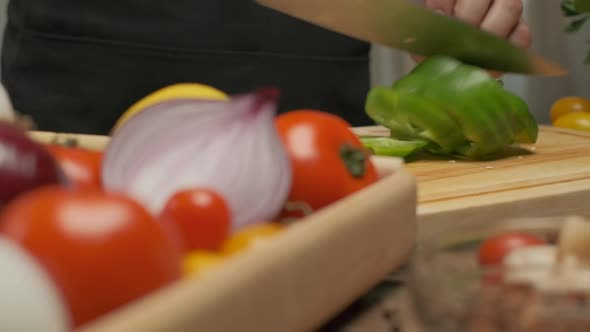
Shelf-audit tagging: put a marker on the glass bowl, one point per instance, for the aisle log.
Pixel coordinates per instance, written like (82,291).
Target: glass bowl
(451,292)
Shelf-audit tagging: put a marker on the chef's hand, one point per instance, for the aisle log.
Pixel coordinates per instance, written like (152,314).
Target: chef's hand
(499,17)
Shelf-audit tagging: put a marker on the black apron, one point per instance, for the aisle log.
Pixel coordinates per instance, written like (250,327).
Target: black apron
(76,65)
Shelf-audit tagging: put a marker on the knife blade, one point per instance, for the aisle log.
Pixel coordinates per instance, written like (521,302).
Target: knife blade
(412,28)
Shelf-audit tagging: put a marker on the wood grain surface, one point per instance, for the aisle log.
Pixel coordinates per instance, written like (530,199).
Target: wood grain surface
(551,177)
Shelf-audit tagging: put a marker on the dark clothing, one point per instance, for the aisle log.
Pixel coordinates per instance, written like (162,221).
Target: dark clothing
(75,66)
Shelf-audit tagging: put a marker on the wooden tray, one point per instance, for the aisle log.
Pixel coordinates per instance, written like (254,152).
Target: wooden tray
(295,282)
(550,178)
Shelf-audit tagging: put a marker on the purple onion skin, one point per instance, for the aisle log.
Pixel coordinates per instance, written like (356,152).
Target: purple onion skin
(24,164)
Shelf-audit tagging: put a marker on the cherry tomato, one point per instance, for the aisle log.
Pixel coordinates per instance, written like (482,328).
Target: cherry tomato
(329,161)
(102,250)
(250,236)
(567,105)
(201,216)
(493,250)
(198,262)
(577,121)
(82,167)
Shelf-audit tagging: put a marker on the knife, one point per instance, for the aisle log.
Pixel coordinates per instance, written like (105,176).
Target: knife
(409,27)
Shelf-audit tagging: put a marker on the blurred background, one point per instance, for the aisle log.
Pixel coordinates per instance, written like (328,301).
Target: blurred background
(549,40)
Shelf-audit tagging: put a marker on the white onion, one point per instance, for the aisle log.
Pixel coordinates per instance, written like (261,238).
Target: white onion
(29,301)
(229,146)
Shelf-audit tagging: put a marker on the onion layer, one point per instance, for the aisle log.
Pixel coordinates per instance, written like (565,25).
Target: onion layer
(229,146)
(24,164)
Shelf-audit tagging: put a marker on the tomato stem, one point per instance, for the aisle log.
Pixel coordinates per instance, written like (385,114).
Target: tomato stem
(70,142)
(354,159)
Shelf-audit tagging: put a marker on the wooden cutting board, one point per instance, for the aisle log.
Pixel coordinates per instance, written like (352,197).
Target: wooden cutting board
(549,178)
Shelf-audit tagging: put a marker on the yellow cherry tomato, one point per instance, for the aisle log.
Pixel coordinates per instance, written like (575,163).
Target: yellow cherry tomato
(250,236)
(175,91)
(200,261)
(578,120)
(568,105)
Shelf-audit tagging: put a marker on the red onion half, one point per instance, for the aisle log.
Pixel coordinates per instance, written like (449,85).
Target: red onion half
(229,146)
(24,164)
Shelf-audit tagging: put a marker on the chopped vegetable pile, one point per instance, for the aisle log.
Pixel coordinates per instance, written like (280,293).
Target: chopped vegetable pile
(449,108)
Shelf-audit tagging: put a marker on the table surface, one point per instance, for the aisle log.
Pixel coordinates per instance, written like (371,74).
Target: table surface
(386,308)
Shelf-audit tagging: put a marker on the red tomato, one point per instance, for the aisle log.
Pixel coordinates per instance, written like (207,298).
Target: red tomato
(102,250)
(82,167)
(493,250)
(201,216)
(328,160)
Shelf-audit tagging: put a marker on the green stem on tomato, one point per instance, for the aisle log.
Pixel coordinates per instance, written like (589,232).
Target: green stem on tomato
(354,159)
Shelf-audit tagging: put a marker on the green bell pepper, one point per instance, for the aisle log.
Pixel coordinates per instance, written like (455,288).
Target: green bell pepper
(456,109)
(385,146)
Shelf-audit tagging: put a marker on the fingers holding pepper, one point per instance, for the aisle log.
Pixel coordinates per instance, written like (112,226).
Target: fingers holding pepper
(521,35)
(502,18)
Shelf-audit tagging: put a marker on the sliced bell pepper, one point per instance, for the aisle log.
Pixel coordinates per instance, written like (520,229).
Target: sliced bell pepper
(458,109)
(385,146)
